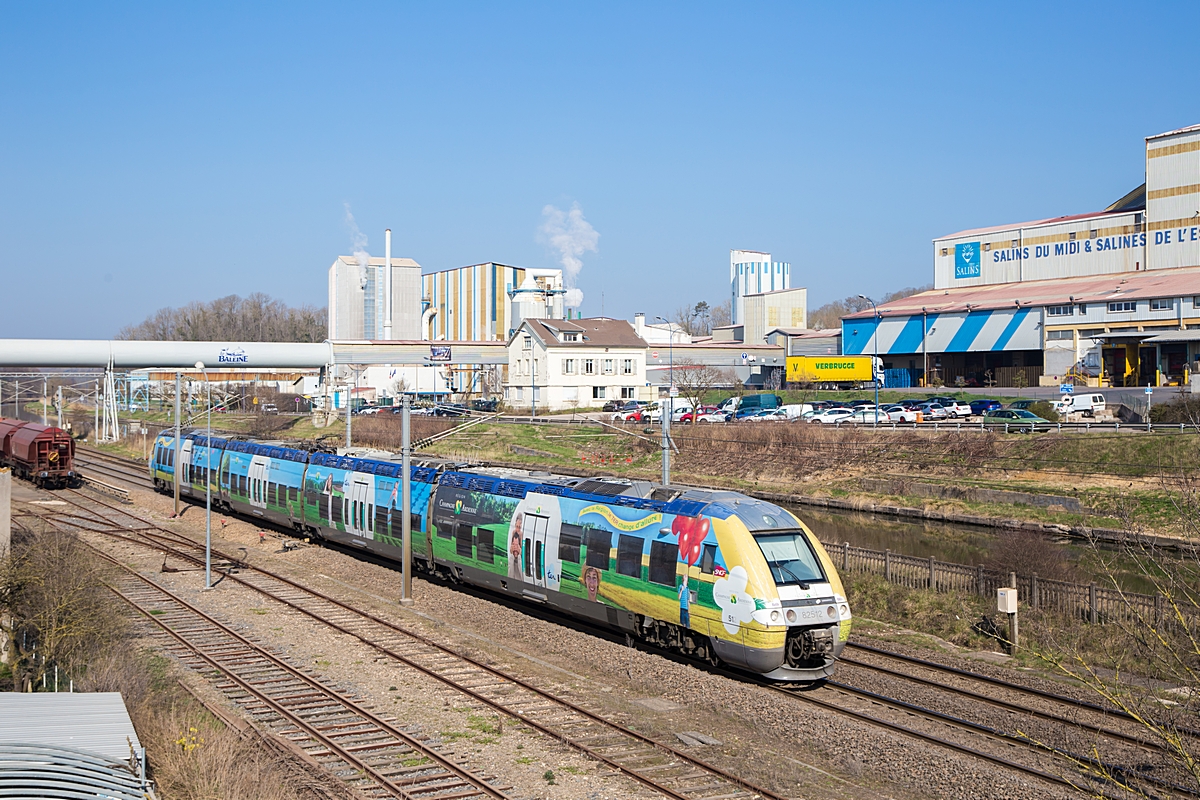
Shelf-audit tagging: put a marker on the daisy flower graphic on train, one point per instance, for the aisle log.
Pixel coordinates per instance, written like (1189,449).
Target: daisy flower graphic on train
(715,575)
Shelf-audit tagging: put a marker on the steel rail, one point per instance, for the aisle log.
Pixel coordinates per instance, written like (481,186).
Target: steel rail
(987,730)
(1005,705)
(595,751)
(1058,698)
(314,732)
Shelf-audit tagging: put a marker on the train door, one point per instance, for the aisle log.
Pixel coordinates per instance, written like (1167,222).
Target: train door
(358,507)
(183,470)
(533,548)
(256,482)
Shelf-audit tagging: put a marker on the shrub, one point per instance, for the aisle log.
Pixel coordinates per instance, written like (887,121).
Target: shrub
(1044,410)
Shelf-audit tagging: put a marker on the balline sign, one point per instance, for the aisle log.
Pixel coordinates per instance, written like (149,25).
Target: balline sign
(232,355)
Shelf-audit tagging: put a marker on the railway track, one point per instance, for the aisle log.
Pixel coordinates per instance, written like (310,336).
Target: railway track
(661,767)
(944,728)
(370,752)
(98,464)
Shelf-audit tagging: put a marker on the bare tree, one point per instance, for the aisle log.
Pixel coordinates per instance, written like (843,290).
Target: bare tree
(720,315)
(53,606)
(695,380)
(257,318)
(830,315)
(694,320)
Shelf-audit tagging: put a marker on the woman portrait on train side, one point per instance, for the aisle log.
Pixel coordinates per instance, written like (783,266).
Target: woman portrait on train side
(514,549)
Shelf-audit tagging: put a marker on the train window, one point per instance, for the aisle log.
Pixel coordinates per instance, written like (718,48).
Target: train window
(444,528)
(629,555)
(485,545)
(464,540)
(242,485)
(414,522)
(709,559)
(225,475)
(790,558)
(599,546)
(663,557)
(570,538)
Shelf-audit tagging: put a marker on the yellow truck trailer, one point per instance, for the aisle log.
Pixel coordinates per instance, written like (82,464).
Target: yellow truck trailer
(830,371)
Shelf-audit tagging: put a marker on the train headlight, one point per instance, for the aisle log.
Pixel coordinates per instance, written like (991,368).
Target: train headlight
(791,615)
(774,616)
(832,612)
(845,611)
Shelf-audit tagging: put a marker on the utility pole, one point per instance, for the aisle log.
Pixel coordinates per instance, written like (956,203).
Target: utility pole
(667,409)
(45,390)
(58,405)
(406,598)
(875,358)
(96,431)
(349,406)
(175,460)
(532,385)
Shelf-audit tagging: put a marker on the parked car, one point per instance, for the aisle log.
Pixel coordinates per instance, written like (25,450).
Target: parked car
(450,410)
(653,412)
(613,405)
(980,408)
(864,416)
(715,415)
(860,403)
(690,416)
(911,402)
(933,411)
(630,412)
(270,408)
(1022,404)
(1015,416)
(768,415)
(794,410)
(900,414)
(954,407)
(1086,403)
(488,406)
(831,415)
(758,402)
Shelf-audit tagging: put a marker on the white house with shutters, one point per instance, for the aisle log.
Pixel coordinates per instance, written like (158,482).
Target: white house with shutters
(581,364)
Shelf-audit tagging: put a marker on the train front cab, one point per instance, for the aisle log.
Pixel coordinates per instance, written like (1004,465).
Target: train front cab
(785,614)
(162,462)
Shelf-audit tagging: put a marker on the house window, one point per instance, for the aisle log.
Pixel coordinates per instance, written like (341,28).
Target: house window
(570,337)
(627,366)
(1054,336)
(527,343)
(1162,304)
(568,366)
(1125,305)
(1082,310)
(589,366)
(520,393)
(627,392)
(608,366)
(597,392)
(1060,311)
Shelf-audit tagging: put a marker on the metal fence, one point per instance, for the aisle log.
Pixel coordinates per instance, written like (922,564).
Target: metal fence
(1088,602)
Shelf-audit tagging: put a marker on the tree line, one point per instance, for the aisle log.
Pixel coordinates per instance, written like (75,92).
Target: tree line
(256,318)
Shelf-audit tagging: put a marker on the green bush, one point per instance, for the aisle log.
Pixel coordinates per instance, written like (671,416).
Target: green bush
(1184,409)
(1044,410)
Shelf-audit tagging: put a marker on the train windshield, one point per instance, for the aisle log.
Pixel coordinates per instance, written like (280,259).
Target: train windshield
(791,559)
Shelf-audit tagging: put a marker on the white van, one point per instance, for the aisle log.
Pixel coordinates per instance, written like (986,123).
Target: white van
(794,410)
(1086,403)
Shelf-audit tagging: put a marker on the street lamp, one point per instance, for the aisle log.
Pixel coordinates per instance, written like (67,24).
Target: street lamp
(207,483)
(875,357)
(668,408)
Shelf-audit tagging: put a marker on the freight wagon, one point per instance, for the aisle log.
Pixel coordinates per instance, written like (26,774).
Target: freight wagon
(38,453)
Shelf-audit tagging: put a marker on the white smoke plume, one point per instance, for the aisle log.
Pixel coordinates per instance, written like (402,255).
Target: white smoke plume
(358,246)
(570,235)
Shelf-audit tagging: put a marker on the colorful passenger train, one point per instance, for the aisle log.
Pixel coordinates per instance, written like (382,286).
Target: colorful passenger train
(716,575)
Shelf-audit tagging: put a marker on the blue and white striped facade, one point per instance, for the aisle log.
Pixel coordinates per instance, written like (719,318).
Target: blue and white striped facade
(752,272)
(978,331)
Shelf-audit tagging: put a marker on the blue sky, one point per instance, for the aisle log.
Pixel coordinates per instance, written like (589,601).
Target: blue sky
(155,154)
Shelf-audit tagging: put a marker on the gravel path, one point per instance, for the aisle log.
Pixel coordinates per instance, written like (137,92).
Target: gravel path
(786,745)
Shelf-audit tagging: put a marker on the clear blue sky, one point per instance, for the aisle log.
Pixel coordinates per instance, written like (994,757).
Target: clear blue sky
(155,154)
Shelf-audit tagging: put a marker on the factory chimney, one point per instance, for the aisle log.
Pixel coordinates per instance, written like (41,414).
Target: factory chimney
(387,284)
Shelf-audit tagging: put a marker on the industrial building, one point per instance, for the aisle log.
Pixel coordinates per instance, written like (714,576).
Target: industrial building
(486,302)
(753,272)
(1110,298)
(358,307)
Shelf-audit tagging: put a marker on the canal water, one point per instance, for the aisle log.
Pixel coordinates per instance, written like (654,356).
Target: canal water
(959,544)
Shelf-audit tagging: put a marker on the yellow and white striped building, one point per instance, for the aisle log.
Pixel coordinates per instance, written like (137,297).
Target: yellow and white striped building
(476,303)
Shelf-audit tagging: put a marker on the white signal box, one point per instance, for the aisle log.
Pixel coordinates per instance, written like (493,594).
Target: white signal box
(1006,601)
